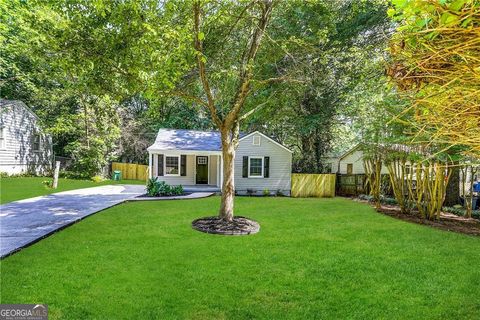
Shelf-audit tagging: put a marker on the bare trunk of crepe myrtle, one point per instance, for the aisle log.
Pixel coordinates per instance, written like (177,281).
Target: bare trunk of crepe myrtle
(228,187)
(229,144)
(228,121)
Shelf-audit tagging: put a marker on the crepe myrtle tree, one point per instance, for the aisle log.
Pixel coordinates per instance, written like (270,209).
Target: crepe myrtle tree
(225,99)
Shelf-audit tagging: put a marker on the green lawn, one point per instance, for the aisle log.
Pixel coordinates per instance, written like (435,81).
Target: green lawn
(313,258)
(12,189)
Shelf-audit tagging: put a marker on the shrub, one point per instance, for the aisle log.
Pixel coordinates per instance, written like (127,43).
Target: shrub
(98,179)
(48,183)
(157,188)
(176,190)
(266,192)
(3,174)
(73,174)
(461,212)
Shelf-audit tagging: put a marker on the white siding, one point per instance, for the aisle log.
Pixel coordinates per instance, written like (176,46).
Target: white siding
(280,166)
(356,159)
(189,179)
(20,125)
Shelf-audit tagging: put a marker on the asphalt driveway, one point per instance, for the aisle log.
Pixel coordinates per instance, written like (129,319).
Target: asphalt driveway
(27,221)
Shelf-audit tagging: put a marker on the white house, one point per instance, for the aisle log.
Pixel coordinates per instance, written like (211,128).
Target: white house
(194,158)
(350,162)
(24,147)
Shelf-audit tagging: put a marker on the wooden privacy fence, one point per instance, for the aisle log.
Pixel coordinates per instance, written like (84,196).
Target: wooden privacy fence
(351,185)
(131,171)
(313,185)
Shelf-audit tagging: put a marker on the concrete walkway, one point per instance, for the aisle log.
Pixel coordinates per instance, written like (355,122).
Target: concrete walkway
(27,221)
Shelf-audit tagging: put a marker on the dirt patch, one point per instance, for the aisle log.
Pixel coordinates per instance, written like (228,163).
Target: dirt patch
(447,221)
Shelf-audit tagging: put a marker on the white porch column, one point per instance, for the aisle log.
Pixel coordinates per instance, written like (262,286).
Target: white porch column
(150,165)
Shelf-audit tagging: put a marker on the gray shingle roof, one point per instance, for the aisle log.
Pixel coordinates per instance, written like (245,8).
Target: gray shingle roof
(174,139)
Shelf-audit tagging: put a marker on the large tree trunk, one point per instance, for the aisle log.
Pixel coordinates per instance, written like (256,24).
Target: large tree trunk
(228,187)
(229,135)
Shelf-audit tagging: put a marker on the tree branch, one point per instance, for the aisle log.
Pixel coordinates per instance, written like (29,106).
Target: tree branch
(178,93)
(249,113)
(201,64)
(245,73)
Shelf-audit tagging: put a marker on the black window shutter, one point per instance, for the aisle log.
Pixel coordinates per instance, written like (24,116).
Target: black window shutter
(245,167)
(266,167)
(160,164)
(183,165)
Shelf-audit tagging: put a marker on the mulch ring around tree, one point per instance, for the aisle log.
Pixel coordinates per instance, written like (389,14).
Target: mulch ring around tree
(447,221)
(238,227)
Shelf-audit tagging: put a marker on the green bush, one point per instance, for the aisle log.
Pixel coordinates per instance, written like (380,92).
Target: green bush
(461,212)
(73,175)
(48,183)
(98,179)
(157,188)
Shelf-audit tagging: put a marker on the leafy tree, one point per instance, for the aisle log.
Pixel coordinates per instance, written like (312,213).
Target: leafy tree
(435,57)
(339,63)
(228,79)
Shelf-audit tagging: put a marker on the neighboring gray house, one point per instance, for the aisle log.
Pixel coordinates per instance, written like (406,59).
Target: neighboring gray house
(23,145)
(190,157)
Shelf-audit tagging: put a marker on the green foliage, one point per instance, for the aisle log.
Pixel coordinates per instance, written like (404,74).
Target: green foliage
(48,183)
(157,188)
(435,55)
(335,49)
(98,179)
(462,212)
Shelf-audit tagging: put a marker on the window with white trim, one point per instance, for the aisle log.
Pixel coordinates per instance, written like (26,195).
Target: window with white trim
(255,167)
(172,165)
(36,142)
(3,142)
(256,140)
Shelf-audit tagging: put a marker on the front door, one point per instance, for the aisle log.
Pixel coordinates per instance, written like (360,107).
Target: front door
(202,170)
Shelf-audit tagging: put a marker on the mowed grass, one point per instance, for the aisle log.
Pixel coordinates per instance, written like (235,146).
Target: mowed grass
(12,189)
(313,258)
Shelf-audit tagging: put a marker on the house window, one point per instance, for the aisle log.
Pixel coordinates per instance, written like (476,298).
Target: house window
(202,160)
(36,142)
(3,142)
(172,165)
(349,168)
(255,167)
(256,140)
